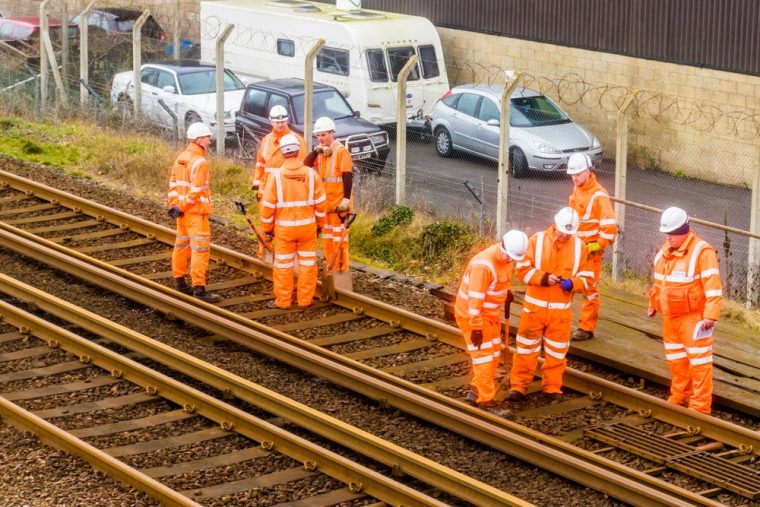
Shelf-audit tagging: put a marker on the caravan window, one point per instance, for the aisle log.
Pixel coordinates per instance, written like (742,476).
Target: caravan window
(378,71)
(333,61)
(397,57)
(286,47)
(429,62)
(254,102)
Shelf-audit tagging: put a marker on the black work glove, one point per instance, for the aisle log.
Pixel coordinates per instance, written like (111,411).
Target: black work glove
(545,280)
(508,303)
(476,337)
(174,212)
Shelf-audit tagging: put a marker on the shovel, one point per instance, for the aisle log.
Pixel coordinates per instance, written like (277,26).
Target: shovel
(329,281)
(261,237)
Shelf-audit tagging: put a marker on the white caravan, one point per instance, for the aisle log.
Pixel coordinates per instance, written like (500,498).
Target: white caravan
(363,53)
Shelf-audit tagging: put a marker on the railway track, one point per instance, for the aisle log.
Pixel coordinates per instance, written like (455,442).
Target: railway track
(74,222)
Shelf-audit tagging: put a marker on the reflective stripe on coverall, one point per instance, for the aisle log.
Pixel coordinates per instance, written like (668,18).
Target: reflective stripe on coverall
(597,224)
(546,318)
(293,207)
(687,288)
(479,303)
(331,170)
(190,191)
(268,158)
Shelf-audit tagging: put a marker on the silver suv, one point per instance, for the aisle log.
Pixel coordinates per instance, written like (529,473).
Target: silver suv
(542,136)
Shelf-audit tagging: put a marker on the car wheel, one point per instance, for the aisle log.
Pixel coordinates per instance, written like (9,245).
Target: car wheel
(519,163)
(125,107)
(443,144)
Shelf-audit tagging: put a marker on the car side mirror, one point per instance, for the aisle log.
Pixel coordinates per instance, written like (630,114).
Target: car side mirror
(357,114)
(169,89)
(493,122)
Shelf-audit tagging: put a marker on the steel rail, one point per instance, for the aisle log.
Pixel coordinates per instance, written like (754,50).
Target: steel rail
(314,457)
(400,459)
(531,446)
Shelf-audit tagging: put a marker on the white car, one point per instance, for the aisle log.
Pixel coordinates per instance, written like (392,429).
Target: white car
(188,89)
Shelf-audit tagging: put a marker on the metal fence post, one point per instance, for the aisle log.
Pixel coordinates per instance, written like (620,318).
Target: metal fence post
(65,42)
(621,169)
(401,131)
(175,30)
(44,29)
(502,178)
(137,61)
(753,257)
(84,53)
(308,92)
(221,132)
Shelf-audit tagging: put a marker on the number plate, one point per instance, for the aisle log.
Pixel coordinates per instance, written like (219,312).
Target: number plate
(361,156)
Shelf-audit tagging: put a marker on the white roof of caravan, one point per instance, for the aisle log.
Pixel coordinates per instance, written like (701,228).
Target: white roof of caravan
(312,10)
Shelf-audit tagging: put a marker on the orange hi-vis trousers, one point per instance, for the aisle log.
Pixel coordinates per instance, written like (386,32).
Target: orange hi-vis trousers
(591,297)
(193,242)
(539,327)
(298,244)
(690,362)
(331,234)
(485,360)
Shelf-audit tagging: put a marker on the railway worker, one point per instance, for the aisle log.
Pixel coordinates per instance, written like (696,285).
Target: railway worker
(333,162)
(597,229)
(269,157)
(555,267)
(189,201)
(687,291)
(293,208)
(484,290)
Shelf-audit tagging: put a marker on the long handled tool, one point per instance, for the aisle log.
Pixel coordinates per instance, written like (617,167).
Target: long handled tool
(328,283)
(261,237)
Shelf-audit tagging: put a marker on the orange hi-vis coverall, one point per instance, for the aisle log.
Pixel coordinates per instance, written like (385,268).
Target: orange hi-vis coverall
(597,225)
(484,288)
(268,158)
(331,170)
(190,191)
(687,288)
(294,206)
(546,315)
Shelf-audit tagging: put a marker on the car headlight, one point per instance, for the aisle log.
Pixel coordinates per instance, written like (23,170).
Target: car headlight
(546,148)
(379,138)
(596,144)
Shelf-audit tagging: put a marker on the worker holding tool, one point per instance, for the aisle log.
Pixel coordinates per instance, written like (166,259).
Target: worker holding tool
(597,228)
(484,291)
(555,267)
(293,208)
(333,163)
(269,156)
(189,201)
(688,292)
(260,236)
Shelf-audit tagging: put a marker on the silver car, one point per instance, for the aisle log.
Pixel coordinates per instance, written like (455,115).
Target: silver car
(542,136)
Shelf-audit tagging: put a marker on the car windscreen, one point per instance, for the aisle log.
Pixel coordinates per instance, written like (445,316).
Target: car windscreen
(328,103)
(536,112)
(204,81)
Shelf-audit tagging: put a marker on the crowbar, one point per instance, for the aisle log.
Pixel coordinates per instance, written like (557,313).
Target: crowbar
(328,284)
(261,237)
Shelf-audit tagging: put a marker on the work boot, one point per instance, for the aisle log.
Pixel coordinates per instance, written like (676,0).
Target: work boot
(515,396)
(199,291)
(273,306)
(553,397)
(579,335)
(182,286)
(492,408)
(471,397)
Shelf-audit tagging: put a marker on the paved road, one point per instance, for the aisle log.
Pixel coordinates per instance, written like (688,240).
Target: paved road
(436,184)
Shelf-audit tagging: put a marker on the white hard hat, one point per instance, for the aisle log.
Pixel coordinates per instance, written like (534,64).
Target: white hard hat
(672,218)
(578,163)
(567,220)
(278,113)
(514,243)
(323,124)
(289,144)
(197,130)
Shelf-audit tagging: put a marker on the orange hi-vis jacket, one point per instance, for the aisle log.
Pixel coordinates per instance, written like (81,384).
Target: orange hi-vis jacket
(484,288)
(687,280)
(545,254)
(331,170)
(293,198)
(597,219)
(269,157)
(189,187)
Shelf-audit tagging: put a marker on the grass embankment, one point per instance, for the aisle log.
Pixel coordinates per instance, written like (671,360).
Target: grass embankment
(400,240)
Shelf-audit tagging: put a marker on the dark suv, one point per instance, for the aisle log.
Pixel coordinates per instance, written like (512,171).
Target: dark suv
(366,142)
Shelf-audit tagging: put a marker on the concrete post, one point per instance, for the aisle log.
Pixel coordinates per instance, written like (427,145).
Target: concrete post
(137,61)
(84,53)
(621,169)
(308,92)
(221,132)
(44,28)
(54,65)
(175,30)
(753,257)
(401,131)
(502,178)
